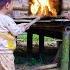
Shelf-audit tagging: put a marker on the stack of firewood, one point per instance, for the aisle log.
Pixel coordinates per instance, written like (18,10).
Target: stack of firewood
(66,4)
(66,8)
(20,8)
(17,4)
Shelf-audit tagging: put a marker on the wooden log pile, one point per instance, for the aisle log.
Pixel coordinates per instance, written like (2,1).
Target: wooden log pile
(66,4)
(21,8)
(66,8)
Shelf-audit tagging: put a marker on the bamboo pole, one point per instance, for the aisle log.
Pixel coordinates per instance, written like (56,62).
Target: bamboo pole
(65,51)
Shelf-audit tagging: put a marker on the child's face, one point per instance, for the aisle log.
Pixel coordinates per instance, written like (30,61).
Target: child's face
(9,7)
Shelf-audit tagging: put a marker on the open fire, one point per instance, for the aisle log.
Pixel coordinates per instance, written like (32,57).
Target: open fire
(43,7)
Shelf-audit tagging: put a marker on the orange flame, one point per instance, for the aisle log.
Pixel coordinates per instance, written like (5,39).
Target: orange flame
(43,7)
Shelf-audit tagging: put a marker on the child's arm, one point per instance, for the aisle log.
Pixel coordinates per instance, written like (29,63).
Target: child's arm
(13,28)
(26,26)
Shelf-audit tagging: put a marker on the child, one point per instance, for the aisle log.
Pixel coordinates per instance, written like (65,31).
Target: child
(8,31)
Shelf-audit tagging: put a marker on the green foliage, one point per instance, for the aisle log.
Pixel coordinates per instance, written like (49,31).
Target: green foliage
(23,37)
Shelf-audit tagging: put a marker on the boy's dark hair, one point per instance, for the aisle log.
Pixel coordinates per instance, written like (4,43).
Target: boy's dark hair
(3,3)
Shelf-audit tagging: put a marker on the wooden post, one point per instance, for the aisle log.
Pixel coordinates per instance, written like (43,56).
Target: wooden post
(65,51)
(29,42)
(58,55)
(42,48)
(41,42)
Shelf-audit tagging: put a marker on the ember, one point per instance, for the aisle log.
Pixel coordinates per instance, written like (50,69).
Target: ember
(43,7)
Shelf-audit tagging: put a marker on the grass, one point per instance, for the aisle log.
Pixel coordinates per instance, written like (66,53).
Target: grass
(23,38)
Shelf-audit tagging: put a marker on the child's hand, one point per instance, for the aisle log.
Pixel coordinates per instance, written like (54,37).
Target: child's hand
(24,25)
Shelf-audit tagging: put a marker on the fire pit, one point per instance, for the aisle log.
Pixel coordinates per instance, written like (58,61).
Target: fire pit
(44,7)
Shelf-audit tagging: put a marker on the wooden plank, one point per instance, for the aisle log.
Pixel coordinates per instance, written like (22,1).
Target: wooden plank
(46,67)
(23,21)
(45,21)
(54,69)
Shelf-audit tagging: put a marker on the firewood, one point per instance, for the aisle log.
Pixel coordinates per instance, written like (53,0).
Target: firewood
(16,4)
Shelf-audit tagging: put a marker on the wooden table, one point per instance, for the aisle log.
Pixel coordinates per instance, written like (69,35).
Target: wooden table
(55,28)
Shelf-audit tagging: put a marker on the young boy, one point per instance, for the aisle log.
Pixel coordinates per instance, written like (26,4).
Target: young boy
(8,31)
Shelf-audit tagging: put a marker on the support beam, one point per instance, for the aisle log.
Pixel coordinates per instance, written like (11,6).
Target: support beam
(29,42)
(41,42)
(42,48)
(65,51)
